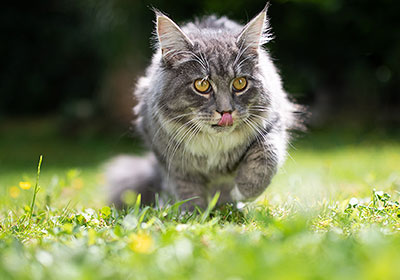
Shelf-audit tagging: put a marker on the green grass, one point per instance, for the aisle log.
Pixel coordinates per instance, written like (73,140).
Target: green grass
(332,212)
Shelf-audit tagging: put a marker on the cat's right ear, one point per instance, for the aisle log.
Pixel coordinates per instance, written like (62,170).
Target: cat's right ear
(171,38)
(256,32)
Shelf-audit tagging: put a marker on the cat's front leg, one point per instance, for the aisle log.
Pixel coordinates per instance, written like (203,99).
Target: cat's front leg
(188,188)
(256,170)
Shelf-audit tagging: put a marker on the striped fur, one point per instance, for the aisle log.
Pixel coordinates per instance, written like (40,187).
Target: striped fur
(195,158)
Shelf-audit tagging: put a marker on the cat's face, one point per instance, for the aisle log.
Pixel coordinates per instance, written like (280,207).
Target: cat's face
(211,79)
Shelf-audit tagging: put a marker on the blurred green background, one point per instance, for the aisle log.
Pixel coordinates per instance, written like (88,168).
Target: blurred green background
(80,59)
(68,69)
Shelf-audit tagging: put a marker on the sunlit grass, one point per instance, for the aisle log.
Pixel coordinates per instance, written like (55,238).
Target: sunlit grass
(332,212)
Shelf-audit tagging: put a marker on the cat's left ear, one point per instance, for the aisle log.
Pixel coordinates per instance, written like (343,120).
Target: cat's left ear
(170,36)
(256,32)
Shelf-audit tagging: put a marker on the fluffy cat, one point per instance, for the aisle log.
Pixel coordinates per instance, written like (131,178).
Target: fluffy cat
(212,109)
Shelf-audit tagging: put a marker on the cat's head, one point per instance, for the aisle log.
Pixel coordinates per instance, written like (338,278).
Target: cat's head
(212,76)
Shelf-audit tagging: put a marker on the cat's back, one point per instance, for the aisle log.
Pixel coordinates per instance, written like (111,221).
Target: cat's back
(212,24)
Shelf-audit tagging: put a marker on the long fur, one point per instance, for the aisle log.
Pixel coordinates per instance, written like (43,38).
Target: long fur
(191,155)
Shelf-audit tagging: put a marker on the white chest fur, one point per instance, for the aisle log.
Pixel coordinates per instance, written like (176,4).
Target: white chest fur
(215,148)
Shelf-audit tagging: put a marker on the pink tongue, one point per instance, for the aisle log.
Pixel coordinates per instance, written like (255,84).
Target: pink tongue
(226,120)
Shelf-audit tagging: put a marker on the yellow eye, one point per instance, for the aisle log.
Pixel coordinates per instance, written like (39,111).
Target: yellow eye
(202,86)
(239,84)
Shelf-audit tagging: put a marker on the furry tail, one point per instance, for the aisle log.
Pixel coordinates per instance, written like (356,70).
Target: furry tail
(139,174)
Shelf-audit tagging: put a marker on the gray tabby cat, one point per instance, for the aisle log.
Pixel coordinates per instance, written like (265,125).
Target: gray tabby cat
(212,108)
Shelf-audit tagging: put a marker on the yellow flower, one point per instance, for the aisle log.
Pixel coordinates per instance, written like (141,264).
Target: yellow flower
(141,243)
(25,185)
(77,183)
(14,192)
(91,237)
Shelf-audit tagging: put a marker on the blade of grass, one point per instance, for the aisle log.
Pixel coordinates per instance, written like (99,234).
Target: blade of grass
(178,204)
(36,189)
(136,207)
(210,207)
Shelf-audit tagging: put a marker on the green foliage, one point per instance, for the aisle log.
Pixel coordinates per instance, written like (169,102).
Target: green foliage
(332,213)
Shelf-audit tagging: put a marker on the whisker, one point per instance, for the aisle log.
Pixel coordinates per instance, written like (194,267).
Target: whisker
(244,60)
(262,141)
(196,58)
(194,133)
(241,52)
(262,118)
(164,122)
(176,146)
(204,59)
(176,134)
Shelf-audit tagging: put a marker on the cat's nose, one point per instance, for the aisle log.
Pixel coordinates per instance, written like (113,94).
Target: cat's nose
(223,112)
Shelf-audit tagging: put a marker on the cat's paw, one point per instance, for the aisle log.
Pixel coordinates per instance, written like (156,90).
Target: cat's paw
(236,195)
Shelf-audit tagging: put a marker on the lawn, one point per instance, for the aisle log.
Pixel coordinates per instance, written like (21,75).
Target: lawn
(332,212)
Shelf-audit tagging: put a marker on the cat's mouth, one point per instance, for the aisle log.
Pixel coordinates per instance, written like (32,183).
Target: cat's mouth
(217,128)
(224,123)
(219,125)
(226,119)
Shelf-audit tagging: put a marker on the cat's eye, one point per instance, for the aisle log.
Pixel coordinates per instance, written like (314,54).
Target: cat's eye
(239,84)
(202,85)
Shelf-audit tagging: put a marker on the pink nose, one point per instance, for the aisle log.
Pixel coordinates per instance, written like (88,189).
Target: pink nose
(226,119)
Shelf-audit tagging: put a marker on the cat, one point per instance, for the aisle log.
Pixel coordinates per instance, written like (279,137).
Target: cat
(212,109)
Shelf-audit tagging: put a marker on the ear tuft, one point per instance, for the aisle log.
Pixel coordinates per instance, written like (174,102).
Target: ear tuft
(170,36)
(256,32)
